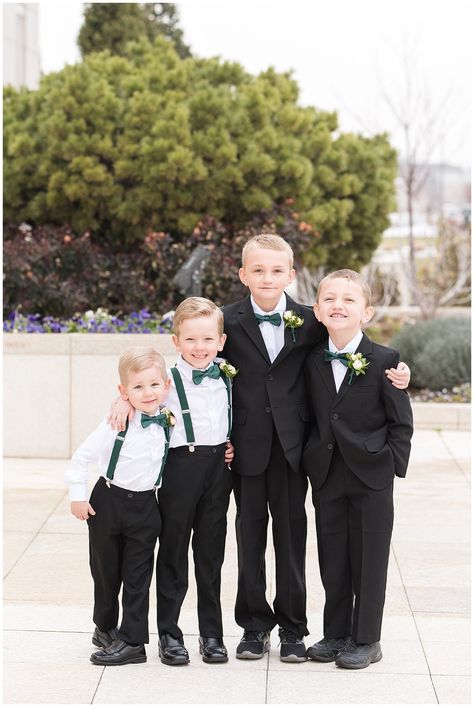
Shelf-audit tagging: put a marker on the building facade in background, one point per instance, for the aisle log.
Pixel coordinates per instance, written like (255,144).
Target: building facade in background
(21,54)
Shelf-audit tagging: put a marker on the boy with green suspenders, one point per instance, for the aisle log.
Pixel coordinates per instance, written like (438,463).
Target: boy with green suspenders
(122,513)
(197,483)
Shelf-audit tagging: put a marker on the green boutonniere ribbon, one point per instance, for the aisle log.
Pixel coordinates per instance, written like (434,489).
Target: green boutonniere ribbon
(292,321)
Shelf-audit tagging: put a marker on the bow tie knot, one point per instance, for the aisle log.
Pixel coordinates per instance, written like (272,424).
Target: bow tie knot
(332,356)
(211,372)
(160,419)
(274,318)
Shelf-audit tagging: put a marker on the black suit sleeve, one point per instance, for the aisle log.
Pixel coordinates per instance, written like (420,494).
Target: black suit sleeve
(399,418)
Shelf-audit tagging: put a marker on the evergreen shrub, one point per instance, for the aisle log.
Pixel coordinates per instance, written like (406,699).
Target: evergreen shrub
(438,352)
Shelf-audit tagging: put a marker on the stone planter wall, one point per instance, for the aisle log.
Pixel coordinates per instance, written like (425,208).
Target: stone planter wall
(63,384)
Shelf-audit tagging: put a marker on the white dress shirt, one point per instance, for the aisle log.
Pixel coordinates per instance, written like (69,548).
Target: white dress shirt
(138,465)
(339,369)
(273,336)
(207,405)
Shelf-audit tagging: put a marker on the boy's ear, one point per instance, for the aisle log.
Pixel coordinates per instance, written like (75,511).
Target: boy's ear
(222,342)
(122,391)
(368,314)
(316,311)
(175,341)
(242,277)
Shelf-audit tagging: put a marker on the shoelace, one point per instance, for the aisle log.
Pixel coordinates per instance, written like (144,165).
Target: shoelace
(251,635)
(288,636)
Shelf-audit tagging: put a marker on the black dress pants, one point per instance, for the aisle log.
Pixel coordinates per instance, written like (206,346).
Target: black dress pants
(282,491)
(354,527)
(194,498)
(122,539)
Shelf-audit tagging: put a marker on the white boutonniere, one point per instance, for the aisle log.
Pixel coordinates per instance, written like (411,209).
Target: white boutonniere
(357,364)
(292,321)
(170,418)
(228,369)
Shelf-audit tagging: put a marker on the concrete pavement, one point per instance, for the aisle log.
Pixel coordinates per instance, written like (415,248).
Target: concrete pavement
(425,637)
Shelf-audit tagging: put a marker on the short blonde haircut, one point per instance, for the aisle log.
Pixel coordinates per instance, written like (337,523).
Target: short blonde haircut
(193,307)
(137,359)
(270,242)
(353,276)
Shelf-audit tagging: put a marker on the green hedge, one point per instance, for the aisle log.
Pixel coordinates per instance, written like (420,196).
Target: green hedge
(438,352)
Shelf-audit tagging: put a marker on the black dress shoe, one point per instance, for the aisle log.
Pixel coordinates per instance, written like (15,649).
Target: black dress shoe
(213,650)
(359,655)
(327,649)
(119,653)
(103,639)
(172,651)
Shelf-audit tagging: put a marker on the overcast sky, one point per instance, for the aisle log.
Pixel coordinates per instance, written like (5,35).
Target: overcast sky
(342,54)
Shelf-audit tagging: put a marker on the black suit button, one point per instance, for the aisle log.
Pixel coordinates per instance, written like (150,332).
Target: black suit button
(330,445)
(270,377)
(268,409)
(335,416)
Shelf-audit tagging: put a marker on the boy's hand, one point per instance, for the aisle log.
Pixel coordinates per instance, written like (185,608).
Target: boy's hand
(119,411)
(400,376)
(229,452)
(82,509)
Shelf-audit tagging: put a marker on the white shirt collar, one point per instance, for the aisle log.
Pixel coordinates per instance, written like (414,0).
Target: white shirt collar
(137,418)
(281,305)
(351,347)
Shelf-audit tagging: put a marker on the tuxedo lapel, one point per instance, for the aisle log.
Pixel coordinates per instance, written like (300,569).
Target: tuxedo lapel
(365,347)
(289,343)
(246,319)
(324,369)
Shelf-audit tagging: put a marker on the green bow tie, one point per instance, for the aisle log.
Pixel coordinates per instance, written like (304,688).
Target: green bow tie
(330,356)
(160,419)
(274,319)
(213,372)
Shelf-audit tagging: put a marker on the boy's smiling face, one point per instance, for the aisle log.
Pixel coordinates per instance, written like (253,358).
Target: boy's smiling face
(199,341)
(342,308)
(266,273)
(145,390)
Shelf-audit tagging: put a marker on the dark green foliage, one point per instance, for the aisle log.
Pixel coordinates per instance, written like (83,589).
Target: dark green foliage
(50,271)
(120,146)
(112,25)
(438,352)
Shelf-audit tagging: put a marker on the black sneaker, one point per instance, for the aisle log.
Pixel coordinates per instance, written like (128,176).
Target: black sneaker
(327,649)
(253,645)
(292,647)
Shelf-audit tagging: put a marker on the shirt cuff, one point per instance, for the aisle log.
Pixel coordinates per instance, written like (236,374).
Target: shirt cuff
(78,492)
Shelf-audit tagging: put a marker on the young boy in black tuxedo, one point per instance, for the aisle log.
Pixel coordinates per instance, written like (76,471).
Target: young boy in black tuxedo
(268,338)
(360,440)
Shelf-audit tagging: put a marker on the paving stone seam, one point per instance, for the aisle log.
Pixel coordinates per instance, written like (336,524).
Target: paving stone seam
(445,445)
(36,534)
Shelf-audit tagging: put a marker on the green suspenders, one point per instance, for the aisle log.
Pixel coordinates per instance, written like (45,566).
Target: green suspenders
(183,401)
(119,440)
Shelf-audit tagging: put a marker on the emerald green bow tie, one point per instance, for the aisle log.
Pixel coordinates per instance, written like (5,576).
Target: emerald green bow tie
(330,356)
(213,372)
(160,419)
(274,319)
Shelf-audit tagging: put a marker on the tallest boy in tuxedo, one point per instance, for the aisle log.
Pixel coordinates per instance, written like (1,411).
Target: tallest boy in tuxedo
(270,422)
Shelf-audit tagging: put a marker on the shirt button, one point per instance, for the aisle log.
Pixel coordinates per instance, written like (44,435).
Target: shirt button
(330,446)
(268,409)
(335,416)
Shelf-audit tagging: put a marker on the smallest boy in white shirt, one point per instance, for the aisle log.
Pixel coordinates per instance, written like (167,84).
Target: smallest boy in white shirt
(122,512)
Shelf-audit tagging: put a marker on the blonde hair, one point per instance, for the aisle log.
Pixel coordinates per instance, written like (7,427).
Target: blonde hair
(137,359)
(193,307)
(270,242)
(353,276)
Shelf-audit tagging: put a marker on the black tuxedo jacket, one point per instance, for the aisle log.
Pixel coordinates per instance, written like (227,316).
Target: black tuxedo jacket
(264,393)
(370,420)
